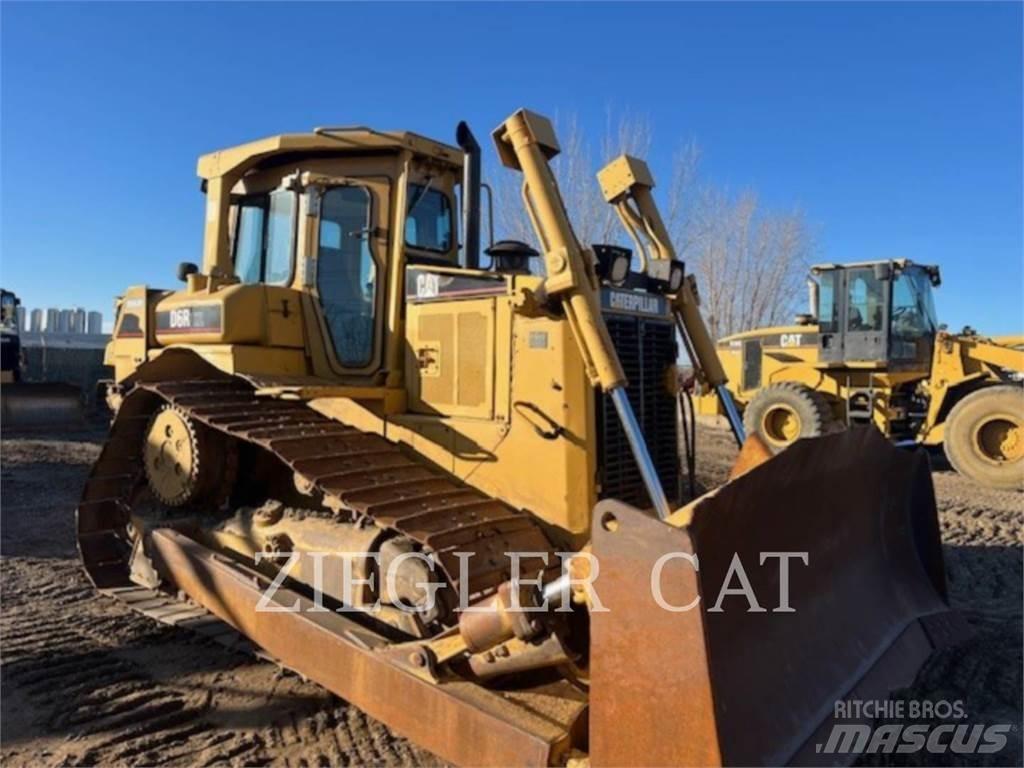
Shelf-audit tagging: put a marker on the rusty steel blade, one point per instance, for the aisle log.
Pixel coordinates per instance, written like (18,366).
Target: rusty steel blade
(741,687)
(457,720)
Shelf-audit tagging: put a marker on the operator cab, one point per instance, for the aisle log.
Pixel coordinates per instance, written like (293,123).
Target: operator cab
(312,219)
(8,311)
(10,343)
(879,312)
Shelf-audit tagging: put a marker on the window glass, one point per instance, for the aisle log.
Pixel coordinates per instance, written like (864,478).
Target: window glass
(263,238)
(913,311)
(865,301)
(279,237)
(347,274)
(828,308)
(428,224)
(249,241)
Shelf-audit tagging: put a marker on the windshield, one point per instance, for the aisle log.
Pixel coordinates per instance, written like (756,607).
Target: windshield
(913,311)
(913,322)
(428,223)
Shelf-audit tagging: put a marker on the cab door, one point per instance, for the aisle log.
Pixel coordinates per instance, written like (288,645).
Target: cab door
(865,314)
(347,273)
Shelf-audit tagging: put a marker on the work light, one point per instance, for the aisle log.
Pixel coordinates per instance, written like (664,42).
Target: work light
(665,276)
(613,263)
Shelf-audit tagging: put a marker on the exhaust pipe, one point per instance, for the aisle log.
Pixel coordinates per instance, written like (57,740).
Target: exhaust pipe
(812,298)
(470,194)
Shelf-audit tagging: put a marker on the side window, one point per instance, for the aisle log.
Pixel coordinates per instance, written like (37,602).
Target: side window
(346,274)
(249,241)
(279,238)
(263,238)
(428,224)
(913,322)
(865,301)
(828,309)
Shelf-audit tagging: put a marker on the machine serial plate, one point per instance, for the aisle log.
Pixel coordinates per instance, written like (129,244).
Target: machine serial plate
(194,319)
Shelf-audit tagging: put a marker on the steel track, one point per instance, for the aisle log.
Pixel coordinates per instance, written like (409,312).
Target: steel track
(358,473)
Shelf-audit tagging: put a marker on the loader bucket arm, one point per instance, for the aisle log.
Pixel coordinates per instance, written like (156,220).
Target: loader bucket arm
(740,687)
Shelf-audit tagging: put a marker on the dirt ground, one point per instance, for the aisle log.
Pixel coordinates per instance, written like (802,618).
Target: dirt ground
(86,681)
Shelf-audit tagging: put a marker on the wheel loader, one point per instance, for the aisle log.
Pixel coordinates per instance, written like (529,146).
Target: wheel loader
(447,490)
(871,351)
(29,403)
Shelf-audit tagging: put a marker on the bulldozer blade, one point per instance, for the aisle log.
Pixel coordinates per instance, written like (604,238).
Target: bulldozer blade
(752,453)
(457,720)
(27,404)
(752,676)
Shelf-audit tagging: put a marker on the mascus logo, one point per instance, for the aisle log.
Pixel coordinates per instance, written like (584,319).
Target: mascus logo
(960,739)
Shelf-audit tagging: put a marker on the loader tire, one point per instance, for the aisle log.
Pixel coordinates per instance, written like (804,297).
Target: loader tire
(783,413)
(984,437)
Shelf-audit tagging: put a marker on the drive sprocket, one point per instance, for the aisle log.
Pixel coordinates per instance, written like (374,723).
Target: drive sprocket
(185,462)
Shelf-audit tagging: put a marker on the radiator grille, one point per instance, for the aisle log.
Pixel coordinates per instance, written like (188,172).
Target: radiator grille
(646,347)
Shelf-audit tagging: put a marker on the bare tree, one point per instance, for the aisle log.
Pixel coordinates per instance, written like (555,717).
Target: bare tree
(750,262)
(575,169)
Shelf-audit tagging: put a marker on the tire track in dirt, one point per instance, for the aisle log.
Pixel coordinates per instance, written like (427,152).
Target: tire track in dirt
(86,681)
(79,676)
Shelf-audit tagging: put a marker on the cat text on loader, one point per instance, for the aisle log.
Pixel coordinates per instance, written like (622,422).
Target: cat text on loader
(341,435)
(871,351)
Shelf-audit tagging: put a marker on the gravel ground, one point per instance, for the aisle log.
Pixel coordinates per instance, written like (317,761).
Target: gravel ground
(86,681)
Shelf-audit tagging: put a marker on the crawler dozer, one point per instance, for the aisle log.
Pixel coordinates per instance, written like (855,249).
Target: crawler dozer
(449,492)
(871,351)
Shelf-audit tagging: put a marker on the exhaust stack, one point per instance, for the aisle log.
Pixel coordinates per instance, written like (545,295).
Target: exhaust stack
(470,194)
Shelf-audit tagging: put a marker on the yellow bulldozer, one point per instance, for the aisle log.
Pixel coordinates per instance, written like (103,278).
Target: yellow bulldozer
(871,351)
(449,492)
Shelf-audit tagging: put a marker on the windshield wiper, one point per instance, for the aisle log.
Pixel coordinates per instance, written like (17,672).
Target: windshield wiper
(421,195)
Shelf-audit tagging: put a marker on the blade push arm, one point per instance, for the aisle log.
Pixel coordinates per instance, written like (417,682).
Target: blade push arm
(526,142)
(626,183)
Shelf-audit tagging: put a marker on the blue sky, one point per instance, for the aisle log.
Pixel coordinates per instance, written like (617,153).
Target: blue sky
(897,128)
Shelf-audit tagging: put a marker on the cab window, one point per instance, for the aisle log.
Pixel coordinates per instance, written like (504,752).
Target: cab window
(263,238)
(428,223)
(828,307)
(347,274)
(865,301)
(913,312)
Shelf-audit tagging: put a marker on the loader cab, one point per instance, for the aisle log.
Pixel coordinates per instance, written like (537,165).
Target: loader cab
(879,314)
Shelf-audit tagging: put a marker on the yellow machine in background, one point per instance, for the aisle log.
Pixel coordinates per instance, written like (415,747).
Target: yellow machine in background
(10,338)
(29,403)
(871,352)
(341,391)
